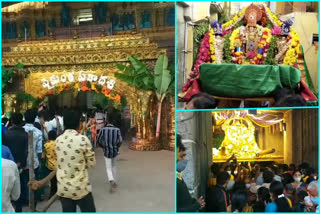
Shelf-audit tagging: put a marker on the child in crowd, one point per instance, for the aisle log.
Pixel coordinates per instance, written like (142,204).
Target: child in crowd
(51,157)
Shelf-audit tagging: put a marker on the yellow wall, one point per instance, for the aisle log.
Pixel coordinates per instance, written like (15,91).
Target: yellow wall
(200,10)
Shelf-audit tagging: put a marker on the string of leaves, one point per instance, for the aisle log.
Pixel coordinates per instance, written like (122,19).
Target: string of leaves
(226,48)
(269,60)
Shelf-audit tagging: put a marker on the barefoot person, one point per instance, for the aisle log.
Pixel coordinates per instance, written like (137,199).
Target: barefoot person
(110,140)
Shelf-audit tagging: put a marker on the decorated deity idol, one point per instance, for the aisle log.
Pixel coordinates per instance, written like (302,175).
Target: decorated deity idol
(252,30)
(218,40)
(239,138)
(255,36)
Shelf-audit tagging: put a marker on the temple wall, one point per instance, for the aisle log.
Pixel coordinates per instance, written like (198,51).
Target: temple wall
(305,136)
(195,129)
(181,35)
(287,137)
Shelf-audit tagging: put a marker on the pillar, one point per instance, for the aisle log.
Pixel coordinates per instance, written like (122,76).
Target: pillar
(287,138)
(18,23)
(153,18)
(46,23)
(32,23)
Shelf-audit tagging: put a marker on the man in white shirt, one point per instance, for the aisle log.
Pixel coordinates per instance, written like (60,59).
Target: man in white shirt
(100,118)
(55,124)
(10,184)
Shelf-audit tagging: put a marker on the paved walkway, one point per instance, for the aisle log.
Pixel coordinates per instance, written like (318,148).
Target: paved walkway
(146,183)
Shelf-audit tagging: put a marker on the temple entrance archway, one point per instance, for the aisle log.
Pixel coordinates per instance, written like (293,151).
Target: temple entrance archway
(50,63)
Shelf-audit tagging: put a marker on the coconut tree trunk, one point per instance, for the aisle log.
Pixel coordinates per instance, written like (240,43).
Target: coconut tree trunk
(159,120)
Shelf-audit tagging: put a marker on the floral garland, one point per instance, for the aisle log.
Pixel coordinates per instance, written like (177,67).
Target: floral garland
(263,47)
(84,86)
(236,49)
(203,55)
(235,43)
(273,18)
(294,49)
(211,43)
(230,24)
(207,48)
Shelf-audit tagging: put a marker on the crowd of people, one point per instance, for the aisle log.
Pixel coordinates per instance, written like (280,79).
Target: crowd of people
(63,150)
(250,187)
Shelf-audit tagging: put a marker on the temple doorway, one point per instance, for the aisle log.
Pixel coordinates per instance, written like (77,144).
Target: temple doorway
(82,100)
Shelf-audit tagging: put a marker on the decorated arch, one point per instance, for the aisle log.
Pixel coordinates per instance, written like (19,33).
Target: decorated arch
(55,66)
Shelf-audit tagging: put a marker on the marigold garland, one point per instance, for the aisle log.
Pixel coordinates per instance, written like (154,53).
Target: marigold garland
(293,52)
(273,18)
(235,19)
(211,43)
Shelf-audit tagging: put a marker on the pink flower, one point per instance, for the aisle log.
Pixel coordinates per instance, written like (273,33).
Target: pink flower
(205,44)
(276,30)
(251,55)
(224,32)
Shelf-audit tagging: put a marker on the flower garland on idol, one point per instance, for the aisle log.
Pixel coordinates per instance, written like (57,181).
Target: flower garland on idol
(211,42)
(294,50)
(230,24)
(235,46)
(273,18)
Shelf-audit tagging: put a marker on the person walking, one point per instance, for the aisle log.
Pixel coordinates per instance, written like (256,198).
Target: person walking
(110,140)
(16,139)
(92,126)
(74,156)
(30,116)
